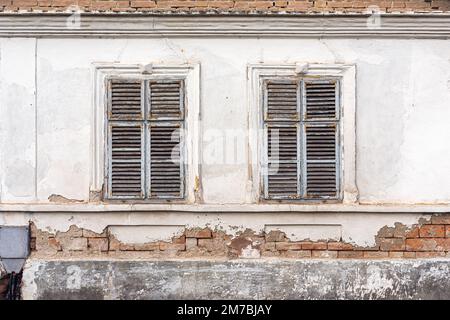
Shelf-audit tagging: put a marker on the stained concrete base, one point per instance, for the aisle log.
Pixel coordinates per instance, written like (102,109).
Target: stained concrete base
(262,279)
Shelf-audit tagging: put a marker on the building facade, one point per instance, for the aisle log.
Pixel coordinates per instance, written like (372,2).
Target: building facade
(226,149)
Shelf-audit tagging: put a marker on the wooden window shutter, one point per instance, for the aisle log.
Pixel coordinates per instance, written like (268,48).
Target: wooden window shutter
(301,122)
(283,162)
(145,139)
(321,100)
(126,174)
(167,114)
(281,115)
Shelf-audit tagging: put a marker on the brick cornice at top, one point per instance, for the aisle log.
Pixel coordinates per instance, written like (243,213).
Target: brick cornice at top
(228,6)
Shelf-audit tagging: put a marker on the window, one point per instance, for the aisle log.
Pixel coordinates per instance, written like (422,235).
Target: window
(301,119)
(145,122)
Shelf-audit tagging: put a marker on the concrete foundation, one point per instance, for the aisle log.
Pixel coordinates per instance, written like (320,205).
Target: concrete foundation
(264,279)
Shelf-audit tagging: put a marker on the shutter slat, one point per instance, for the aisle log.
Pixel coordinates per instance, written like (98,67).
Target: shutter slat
(282,100)
(321,100)
(321,168)
(125,99)
(165,169)
(166,99)
(126,160)
(282,159)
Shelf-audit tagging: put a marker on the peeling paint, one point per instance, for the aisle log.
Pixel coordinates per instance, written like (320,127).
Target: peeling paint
(61,199)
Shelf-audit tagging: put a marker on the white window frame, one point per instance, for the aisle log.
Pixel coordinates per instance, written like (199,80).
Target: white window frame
(346,73)
(190,73)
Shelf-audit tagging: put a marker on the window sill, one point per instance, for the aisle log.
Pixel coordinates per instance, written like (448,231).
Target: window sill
(226,208)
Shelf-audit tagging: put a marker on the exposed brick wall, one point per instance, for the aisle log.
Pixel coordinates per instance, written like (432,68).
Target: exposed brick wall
(427,239)
(310,6)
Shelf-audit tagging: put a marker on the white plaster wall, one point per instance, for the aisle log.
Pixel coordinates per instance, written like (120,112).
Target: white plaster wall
(17,120)
(403,94)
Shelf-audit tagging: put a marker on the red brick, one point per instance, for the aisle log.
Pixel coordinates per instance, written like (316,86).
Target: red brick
(297,254)
(25,3)
(428,244)
(227,5)
(180,239)
(213,245)
(412,233)
(53,243)
(200,234)
(113,244)
(428,254)
(395,254)
(447,231)
(308,245)
(150,246)
(60,3)
(432,231)
(143,4)
(166,246)
(392,244)
(409,255)
(282,246)
(339,246)
(98,244)
(376,254)
(441,219)
(350,254)
(126,247)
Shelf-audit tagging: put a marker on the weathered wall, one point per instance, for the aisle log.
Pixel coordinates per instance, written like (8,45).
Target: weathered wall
(301,279)
(46,117)
(47,171)
(426,239)
(402,133)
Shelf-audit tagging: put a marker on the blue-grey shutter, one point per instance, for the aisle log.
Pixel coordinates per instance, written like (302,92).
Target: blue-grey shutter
(281,116)
(125,98)
(166,102)
(321,99)
(283,161)
(126,149)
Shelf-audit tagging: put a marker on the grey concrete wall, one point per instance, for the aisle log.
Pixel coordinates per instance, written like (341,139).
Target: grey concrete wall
(296,279)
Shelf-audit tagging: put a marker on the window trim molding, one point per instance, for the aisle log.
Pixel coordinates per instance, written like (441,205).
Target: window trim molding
(191,75)
(346,73)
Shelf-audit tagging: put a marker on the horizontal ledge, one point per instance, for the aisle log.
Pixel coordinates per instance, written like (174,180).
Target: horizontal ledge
(237,208)
(141,25)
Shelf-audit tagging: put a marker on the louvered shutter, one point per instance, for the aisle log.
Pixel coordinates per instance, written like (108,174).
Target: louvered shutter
(282,100)
(126,160)
(166,114)
(126,174)
(125,100)
(166,100)
(283,162)
(321,139)
(282,139)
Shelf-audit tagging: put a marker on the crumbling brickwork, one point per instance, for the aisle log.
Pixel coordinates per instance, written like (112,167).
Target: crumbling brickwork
(220,6)
(426,239)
